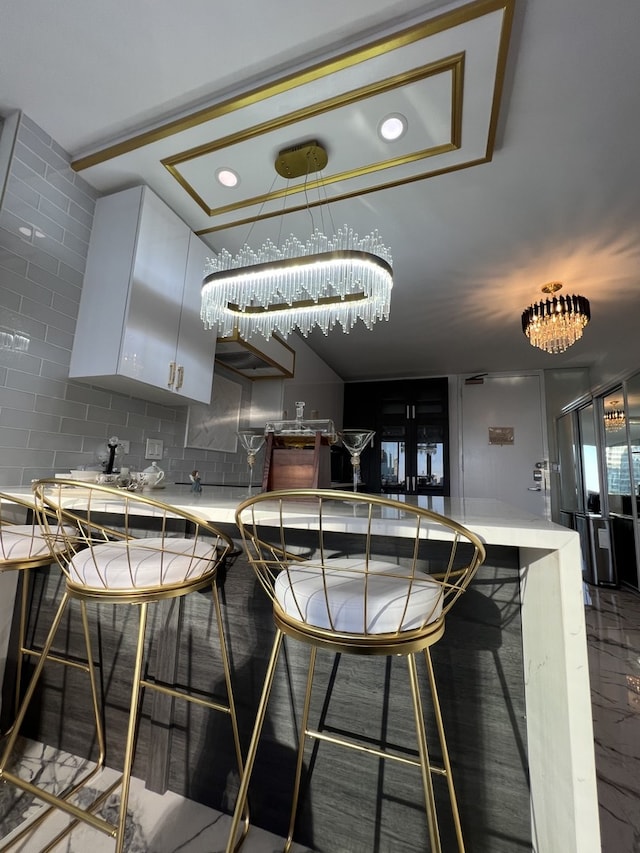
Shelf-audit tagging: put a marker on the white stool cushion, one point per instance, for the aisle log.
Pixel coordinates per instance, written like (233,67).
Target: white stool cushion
(24,542)
(138,563)
(392,603)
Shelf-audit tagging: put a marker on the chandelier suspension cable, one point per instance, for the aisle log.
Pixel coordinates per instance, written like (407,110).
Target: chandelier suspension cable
(284,209)
(261,208)
(306,194)
(322,190)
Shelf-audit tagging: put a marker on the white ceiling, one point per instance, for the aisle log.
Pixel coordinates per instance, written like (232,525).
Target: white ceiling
(539,184)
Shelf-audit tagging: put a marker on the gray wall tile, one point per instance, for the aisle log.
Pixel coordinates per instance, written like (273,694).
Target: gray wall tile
(23,191)
(12,262)
(54,441)
(27,157)
(56,406)
(22,400)
(48,422)
(98,429)
(58,284)
(28,420)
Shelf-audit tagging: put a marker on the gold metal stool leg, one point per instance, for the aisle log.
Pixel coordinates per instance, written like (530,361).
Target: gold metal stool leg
(131,728)
(227,677)
(253,746)
(425,765)
(302,736)
(22,635)
(445,752)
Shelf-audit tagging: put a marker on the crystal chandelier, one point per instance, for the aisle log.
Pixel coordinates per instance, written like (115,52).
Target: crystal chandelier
(556,323)
(298,285)
(614,419)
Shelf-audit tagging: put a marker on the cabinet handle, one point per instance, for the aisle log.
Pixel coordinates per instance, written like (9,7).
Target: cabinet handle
(172,374)
(180,378)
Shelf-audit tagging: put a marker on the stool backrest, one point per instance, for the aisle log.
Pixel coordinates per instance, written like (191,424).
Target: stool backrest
(127,540)
(356,563)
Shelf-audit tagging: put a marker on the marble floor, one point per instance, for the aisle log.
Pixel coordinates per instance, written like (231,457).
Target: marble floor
(168,823)
(613,634)
(156,823)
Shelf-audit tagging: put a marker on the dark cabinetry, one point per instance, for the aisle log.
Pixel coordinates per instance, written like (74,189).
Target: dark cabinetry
(410,450)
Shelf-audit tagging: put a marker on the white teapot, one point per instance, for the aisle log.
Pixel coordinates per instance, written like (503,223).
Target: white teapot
(152,477)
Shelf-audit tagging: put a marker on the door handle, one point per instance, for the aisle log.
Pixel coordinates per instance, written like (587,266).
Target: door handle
(180,378)
(534,489)
(172,374)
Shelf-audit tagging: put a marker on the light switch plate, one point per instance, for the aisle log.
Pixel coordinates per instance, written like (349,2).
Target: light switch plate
(124,445)
(154,449)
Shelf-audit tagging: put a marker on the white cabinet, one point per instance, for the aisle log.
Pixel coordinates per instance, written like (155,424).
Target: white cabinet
(139,329)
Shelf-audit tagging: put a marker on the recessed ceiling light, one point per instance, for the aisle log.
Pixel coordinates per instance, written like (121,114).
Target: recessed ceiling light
(25,231)
(392,127)
(227,177)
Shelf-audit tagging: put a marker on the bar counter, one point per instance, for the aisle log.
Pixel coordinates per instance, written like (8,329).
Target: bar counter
(559,750)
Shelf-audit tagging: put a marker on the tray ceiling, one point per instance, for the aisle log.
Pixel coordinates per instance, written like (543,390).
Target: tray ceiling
(443,75)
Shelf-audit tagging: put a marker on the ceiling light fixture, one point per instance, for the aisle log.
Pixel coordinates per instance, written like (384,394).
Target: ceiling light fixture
(227,177)
(322,282)
(556,323)
(614,419)
(392,127)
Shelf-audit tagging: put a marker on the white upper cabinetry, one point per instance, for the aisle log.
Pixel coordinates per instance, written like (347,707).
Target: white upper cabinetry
(139,330)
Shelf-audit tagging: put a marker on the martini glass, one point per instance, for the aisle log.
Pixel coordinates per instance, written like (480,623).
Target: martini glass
(252,440)
(355,441)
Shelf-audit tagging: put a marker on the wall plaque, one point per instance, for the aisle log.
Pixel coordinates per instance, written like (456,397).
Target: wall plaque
(501,435)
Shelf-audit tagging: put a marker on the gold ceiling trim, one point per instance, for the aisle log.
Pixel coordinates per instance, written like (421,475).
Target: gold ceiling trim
(378,87)
(318,183)
(385,44)
(453,65)
(445,170)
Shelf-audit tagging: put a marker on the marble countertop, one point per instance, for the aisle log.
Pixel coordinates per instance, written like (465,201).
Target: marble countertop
(495,522)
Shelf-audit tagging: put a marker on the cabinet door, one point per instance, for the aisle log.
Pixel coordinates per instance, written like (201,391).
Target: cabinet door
(430,436)
(196,345)
(410,452)
(148,351)
(394,438)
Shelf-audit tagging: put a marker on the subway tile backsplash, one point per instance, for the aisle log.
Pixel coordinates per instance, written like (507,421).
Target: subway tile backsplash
(47,423)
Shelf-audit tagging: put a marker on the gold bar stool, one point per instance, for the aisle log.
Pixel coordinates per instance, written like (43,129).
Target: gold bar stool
(23,547)
(370,602)
(124,565)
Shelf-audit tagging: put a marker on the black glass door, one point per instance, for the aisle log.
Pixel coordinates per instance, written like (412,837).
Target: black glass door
(410,451)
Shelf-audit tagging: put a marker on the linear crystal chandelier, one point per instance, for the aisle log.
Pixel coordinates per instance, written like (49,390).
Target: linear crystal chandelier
(556,323)
(324,282)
